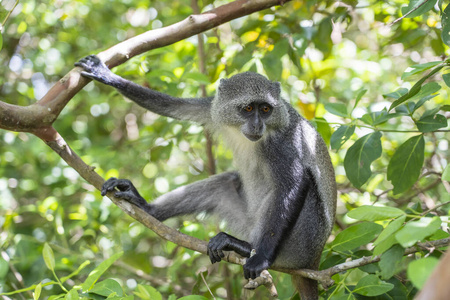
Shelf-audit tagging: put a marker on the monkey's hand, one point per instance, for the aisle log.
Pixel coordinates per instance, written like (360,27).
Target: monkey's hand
(124,189)
(94,68)
(255,265)
(225,242)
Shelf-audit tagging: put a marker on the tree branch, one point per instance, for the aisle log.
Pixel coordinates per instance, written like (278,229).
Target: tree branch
(39,117)
(324,276)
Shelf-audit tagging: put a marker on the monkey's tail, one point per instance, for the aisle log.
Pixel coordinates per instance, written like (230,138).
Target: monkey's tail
(307,288)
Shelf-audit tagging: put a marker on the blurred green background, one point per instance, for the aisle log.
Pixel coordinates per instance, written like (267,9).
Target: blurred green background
(335,61)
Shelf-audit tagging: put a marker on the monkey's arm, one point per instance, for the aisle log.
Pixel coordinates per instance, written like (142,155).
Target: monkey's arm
(218,194)
(193,109)
(278,222)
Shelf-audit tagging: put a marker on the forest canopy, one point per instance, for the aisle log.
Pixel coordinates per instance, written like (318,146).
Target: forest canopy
(371,76)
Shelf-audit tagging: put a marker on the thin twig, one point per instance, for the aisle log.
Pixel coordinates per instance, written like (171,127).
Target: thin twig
(409,12)
(7,16)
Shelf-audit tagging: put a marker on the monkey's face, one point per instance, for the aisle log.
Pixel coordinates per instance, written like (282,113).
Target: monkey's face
(255,116)
(251,104)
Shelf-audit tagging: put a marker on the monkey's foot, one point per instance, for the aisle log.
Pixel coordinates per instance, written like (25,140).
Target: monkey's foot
(225,242)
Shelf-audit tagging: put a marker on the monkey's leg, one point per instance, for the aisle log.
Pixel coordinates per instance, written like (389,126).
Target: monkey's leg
(218,194)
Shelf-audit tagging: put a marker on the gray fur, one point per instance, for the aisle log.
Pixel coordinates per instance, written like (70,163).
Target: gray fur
(283,193)
(244,205)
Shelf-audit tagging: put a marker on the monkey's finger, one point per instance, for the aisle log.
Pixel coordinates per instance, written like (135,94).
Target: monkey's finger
(123,195)
(246,273)
(215,255)
(212,257)
(109,185)
(254,274)
(124,185)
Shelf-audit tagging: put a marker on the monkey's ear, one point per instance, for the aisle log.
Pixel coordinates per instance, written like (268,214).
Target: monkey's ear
(276,89)
(222,84)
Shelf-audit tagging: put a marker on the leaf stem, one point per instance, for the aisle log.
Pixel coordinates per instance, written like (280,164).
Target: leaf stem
(59,282)
(9,13)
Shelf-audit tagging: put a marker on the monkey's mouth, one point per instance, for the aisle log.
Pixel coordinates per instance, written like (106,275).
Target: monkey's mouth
(253,137)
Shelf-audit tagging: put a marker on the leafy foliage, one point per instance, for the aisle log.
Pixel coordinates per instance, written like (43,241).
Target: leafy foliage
(376,89)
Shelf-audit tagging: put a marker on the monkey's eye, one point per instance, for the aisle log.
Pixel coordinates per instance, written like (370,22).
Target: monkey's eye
(248,108)
(266,108)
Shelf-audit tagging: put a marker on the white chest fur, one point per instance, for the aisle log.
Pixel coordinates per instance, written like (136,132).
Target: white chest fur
(254,172)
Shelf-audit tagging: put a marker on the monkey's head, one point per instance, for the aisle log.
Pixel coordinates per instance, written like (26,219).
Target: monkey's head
(251,103)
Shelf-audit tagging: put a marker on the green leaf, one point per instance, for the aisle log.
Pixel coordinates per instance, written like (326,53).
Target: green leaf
(439,235)
(4,267)
(360,94)
(107,287)
(431,112)
(98,271)
(446,174)
(404,167)
(72,295)
(445,34)
(396,94)
(332,261)
(415,89)
(355,236)
(338,109)
(374,213)
(359,157)
(323,128)
(344,297)
(419,270)
(193,297)
(419,68)
(385,245)
(390,261)
(131,297)
(340,136)
(322,39)
(418,230)
(422,101)
(146,292)
(272,60)
(428,89)
(390,229)
(37,291)
(49,257)
(1,41)
(371,285)
(431,123)
(378,117)
(446,78)
(425,6)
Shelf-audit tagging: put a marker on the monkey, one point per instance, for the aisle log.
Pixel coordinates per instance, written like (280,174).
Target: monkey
(281,200)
